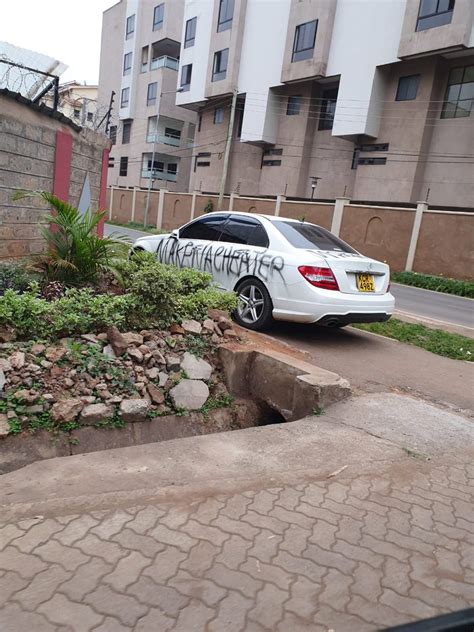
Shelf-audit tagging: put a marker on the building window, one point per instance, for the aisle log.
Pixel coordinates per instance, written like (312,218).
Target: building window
(218,115)
(407,88)
(199,122)
(172,168)
(77,113)
(198,162)
(158,16)
(371,161)
(273,152)
(459,93)
(111,162)
(90,116)
(127,63)
(186,73)
(374,147)
(293,106)
(130,27)
(151,129)
(125,97)
(144,64)
(226,13)
(434,13)
(328,109)
(190,33)
(123,166)
(271,163)
(113,134)
(305,39)
(219,69)
(240,120)
(151,93)
(126,129)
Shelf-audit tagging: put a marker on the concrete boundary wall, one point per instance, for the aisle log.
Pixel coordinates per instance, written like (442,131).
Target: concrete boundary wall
(422,240)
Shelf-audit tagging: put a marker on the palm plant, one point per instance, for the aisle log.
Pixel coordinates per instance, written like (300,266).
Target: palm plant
(74,253)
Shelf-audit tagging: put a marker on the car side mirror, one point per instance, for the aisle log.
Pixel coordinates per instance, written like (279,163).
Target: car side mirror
(175,233)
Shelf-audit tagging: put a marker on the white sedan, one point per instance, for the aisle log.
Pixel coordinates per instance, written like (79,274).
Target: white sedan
(281,269)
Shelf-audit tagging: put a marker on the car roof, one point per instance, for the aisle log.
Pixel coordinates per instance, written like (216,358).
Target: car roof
(271,218)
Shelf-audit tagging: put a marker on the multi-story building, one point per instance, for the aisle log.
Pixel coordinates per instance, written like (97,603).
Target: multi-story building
(152,136)
(78,102)
(368,99)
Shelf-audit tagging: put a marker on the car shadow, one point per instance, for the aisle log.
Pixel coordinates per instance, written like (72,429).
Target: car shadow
(322,336)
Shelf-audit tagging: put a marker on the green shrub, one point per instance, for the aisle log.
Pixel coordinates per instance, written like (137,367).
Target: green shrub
(436,283)
(209,207)
(14,276)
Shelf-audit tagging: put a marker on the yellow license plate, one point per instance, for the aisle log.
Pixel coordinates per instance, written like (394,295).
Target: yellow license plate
(365,283)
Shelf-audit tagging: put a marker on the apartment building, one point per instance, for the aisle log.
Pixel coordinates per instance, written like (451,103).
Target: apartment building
(370,99)
(152,137)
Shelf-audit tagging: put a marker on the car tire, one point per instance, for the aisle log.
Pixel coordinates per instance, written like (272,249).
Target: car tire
(255,305)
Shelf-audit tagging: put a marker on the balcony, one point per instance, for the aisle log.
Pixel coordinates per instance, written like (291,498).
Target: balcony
(164,62)
(159,174)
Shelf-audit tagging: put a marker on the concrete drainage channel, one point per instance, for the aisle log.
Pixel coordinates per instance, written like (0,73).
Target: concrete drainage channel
(269,387)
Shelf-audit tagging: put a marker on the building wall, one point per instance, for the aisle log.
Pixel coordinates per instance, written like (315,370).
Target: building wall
(28,141)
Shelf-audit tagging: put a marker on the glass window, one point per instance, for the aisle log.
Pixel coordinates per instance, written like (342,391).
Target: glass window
(459,93)
(311,237)
(90,116)
(305,38)
(293,106)
(219,70)
(127,63)
(226,13)
(113,134)
(158,15)
(144,66)
(130,27)
(125,97)
(123,166)
(151,93)
(218,116)
(186,74)
(244,230)
(190,33)
(209,228)
(111,162)
(328,109)
(407,88)
(172,168)
(127,128)
(77,113)
(172,133)
(433,13)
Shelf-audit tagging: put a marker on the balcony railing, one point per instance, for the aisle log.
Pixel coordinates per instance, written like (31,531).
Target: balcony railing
(162,138)
(164,62)
(159,174)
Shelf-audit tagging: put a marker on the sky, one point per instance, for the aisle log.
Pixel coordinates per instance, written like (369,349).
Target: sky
(68,31)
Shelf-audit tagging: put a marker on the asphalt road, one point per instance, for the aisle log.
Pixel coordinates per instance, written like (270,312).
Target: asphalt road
(441,308)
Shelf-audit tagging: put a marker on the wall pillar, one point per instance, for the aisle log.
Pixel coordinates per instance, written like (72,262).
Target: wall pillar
(134,201)
(193,205)
(233,195)
(421,207)
(279,200)
(62,165)
(161,208)
(103,190)
(339,205)
(111,201)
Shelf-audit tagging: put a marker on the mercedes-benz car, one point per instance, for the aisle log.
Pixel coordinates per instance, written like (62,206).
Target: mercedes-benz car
(280,268)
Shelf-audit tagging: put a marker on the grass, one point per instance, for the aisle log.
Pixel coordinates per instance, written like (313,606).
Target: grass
(436,283)
(137,226)
(437,341)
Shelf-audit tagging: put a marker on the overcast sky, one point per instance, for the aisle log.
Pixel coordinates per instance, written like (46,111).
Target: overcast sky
(68,31)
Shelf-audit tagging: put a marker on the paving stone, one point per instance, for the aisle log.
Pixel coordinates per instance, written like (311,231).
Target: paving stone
(268,609)
(76,529)
(37,535)
(127,571)
(231,614)
(10,583)
(14,619)
(54,552)
(125,608)
(62,611)
(27,566)
(165,564)
(155,619)
(43,587)
(208,591)
(194,617)
(85,578)
(168,599)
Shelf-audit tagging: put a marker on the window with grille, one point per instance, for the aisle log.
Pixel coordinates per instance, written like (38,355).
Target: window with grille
(459,93)
(219,70)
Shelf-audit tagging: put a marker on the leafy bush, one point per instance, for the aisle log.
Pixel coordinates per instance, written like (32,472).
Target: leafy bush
(209,207)
(436,283)
(14,276)
(74,253)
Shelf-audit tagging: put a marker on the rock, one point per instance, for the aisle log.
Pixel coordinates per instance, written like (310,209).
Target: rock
(90,338)
(56,371)
(224,323)
(48,397)
(153,373)
(33,368)
(53,354)
(151,344)
(106,395)
(173,363)
(134,409)
(117,340)
(3,380)
(144,349)
(176,329)
(108,351)
(159,357)
(46,364)
(94,413)
(208,326)
(26,396)
(170,341)
(135,354)
(156,394)
(189,394)
(36,409)
(220,389)
(5,365)
(68,382)
(215,339)
(4,426)
(191,326)
(88,399)
(66,410)
(230,333)
(196,368)
(139,386)
(147,334)
(17,360)
(132,338)
(163,378)
(101,386)
(103,337)
(38,349)
(7,334)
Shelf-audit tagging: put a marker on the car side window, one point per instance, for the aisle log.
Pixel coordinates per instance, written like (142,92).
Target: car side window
(208,228)
(244,230)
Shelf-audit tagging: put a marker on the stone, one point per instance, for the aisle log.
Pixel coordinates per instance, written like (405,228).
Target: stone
(108,351)
(196,368)
(26,396)
(135,354)
(191,326)
(3,380)
(4,426)
(134,409)
(230,333)
(7,334)
(33,368)
(224,323)
(56,371)
(156,394)
(95,413)
(90,338)
(48,397)
(159,357)
(17,360)
(116,340)
(153,373)
(190,394)
(215,339)
(173,363)
(102,336)
(132,338)
(68,382)
(208,326)
(151,344)
(46,364)
(144,349)
(34,410)
(163,378)
(66,410)
(5,365)
(38,349)
(176,329)
(139,386)
(88,399)
(215,314)
(53,354)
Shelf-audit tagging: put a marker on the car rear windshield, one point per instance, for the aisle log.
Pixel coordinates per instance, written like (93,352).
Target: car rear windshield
(311,237)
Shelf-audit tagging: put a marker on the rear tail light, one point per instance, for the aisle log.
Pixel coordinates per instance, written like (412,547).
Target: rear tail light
(388,288)
(319,277)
